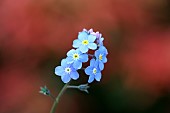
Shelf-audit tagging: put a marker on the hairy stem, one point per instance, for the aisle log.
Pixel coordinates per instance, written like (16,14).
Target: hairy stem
(53,109)
(75,87)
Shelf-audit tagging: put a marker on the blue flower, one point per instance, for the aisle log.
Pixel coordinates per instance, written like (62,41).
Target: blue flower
(99,38)
(66,71)
(100,55)
(93,71)
(85,42)
(76,57)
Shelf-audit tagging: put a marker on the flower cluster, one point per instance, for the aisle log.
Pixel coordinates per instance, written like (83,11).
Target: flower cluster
(87,40)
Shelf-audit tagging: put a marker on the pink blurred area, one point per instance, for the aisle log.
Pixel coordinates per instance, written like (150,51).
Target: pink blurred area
(147,60)
(136,34)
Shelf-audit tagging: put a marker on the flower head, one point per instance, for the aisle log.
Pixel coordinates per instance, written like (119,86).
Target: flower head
(76,57)
(100,55)
(85,42)
(66,71)
(93,71)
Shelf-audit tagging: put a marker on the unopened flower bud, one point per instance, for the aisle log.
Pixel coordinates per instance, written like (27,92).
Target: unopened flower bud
(44,90)
(83,87)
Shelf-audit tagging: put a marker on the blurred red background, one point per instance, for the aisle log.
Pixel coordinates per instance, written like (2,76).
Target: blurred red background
(35,36)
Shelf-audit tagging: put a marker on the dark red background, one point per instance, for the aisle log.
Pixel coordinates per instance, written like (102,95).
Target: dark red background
(36,34)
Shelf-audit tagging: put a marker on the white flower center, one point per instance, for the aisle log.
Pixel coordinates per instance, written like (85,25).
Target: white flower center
(67,70)
(94,70)
(75,56)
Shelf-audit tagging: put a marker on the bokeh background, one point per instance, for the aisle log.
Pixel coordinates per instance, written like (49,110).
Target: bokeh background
(36,34)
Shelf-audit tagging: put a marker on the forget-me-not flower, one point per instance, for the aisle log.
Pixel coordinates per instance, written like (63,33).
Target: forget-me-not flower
(93,71)
(85,42)
(100,55)
(99,38)
(66,71)
(76,57)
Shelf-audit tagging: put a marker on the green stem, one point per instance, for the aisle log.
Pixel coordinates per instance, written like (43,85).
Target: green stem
(75,87)
(53,109)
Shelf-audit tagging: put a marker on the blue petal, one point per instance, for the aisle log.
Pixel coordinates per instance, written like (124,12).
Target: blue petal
(76,43)
(59,70)
(98,76)
(92,46)
(91,79)
(103,49)
(82,36)
(78,51)
(74,75)
(97,53)
(101,65)
(88,70)
(71,52)
(65,78)
(69,60)
(101,39)
(106,52)
(92,62)
(77,64)
(64,62)
(91,38)
(83,48)
(104,59)
(84,58)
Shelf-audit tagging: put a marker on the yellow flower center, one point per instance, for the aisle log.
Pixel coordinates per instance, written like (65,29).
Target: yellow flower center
(100,57)
(85,42)
(94,70)
(75,56)
(67,70)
